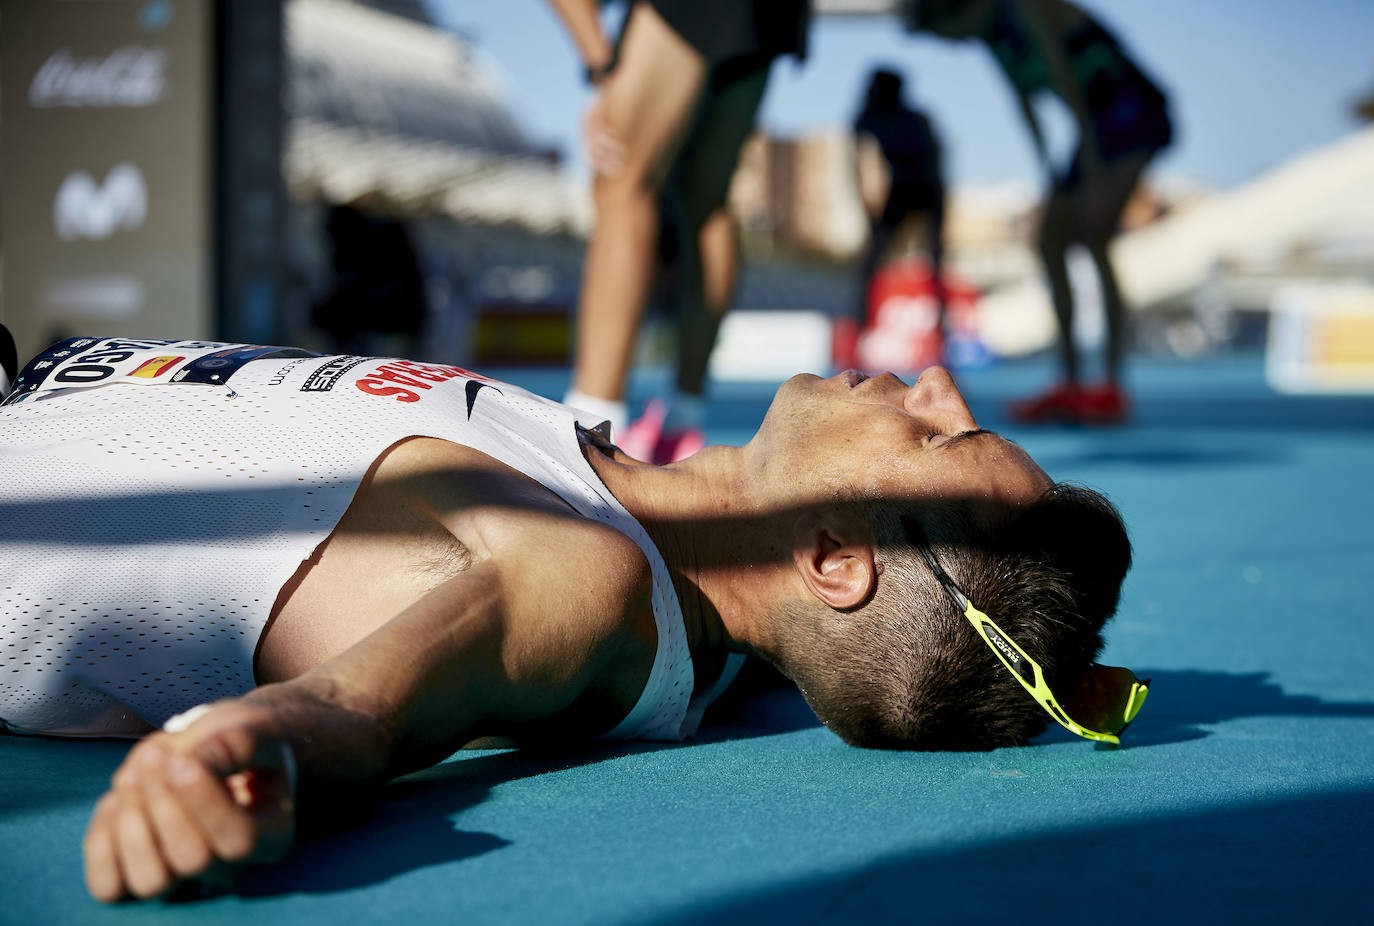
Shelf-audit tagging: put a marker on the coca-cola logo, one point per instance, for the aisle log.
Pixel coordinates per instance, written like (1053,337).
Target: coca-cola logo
(86,209)
(132,76)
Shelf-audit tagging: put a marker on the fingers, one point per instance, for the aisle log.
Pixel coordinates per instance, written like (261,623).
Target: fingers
(605,151)
(141,839)
(170,816)
(234,748)
(605,154)
(269,798)
(184,847)
(121,853)
(103,879)
(227,827)
(140,862)
(245,796)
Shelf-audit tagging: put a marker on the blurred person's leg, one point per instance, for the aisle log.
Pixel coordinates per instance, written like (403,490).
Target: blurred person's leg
(1056,232)
(648,103)
(936,238)
(1061,402)
(713,260)
(1099,214)
(1098,205)
(880,235)
(709,256)
(711,235)
(881,231)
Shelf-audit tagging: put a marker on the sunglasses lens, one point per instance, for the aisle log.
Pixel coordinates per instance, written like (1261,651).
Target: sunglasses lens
(1107,699)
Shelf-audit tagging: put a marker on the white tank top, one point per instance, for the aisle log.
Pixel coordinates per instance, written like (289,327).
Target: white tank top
(155,496)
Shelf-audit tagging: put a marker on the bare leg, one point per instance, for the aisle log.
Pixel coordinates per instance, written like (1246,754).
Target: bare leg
(936,218)
(711,233)
(1098,217)
(1113,307)
(879,238)
(1054,238)
(707,292)
(649,102)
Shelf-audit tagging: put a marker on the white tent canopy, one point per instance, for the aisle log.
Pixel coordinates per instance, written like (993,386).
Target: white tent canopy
(381,106)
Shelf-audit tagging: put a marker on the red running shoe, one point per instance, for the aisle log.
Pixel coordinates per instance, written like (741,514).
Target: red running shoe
(1104,403)
(678,445)
(1062,403)
(1070,403)
(645,439)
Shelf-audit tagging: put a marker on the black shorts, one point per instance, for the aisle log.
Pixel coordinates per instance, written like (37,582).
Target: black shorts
(904,199)
(725,30)
(1135,120)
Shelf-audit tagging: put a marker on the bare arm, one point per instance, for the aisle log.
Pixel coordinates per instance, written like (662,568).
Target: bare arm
(1045,33)
(504,648)
(583,22)
(498,650)
(871,177)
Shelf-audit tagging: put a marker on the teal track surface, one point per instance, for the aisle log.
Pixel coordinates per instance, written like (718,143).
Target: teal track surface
(1245,791)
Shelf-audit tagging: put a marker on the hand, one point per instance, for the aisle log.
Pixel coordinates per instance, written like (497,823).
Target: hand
(189,804)
(605,151)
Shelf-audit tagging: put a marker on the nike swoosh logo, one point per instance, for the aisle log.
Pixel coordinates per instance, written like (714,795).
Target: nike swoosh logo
(472,388)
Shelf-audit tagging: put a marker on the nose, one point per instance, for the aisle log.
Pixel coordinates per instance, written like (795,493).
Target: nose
(935,396)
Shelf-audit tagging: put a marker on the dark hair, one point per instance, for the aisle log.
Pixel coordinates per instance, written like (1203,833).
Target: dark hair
(884,90)
(907,670)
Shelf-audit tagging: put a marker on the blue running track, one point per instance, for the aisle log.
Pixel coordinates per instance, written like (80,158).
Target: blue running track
(1245,793)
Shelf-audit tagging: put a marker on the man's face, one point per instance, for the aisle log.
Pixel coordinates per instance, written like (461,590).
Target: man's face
(879,438)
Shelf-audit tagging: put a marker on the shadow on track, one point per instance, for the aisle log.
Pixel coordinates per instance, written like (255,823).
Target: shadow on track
(1182,703)
(1272,862)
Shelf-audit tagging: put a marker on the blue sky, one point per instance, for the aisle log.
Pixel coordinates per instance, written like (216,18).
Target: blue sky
(1252,82)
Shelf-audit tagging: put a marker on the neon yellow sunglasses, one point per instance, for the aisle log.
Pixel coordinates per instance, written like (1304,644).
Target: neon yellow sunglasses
(1107,699)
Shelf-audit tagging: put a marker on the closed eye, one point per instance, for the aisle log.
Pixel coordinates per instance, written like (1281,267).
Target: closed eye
(965,435)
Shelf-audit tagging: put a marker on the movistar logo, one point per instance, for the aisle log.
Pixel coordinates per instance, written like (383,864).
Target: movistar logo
(87,209)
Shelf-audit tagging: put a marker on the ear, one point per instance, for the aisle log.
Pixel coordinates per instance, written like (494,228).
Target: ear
(834,557)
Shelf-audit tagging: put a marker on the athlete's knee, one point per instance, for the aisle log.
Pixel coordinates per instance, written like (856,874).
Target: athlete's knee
(1052,241)
(1099,226)
(628,187)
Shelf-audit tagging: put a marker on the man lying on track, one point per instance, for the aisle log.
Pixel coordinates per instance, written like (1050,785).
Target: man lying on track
(284,570)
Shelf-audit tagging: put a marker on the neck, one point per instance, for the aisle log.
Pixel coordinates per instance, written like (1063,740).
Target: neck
(717,547)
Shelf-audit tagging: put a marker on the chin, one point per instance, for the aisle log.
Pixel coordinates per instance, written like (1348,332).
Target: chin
(792,384)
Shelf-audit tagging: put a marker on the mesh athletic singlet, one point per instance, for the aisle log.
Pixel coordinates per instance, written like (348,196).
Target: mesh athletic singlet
(155,496)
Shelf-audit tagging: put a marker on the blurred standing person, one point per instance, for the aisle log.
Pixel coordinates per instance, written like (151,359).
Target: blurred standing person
(1123,122)
(906,140)
(678,94)
(376,297)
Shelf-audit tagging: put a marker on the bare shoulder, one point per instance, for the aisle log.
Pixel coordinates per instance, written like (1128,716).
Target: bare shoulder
(431,512)
(577,595)
(580,545)
(579,582)
(580,569)
(539,627)
(508,514)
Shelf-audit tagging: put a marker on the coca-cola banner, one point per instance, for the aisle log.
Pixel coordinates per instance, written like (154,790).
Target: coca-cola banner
(133,75)
(105,170)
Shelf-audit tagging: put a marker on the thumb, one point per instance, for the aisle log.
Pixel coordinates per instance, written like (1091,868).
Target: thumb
(231,737)
(233,749)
